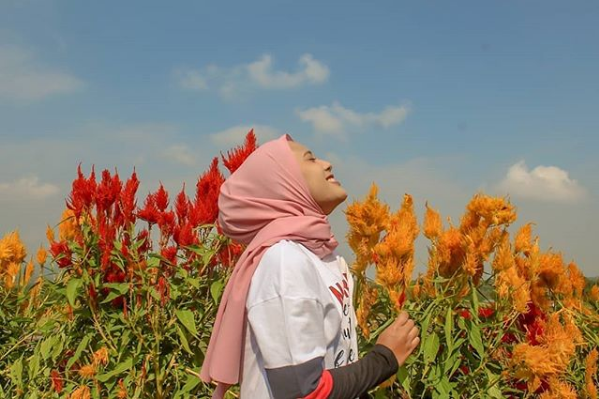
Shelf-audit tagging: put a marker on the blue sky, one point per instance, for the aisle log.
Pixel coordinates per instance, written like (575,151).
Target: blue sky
(436,99)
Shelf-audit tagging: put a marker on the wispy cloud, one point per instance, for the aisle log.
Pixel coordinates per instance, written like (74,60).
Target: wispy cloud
(231,82)
(28,188)
(543,183)
(180,153)
(22,78)
(235,135)
(336,120)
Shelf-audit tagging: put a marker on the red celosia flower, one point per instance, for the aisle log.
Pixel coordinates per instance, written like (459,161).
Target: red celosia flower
(82,193)
(182,206)
(486,312)
(184,235)
(127,200)
(56,381)
(144,236)
(62,253)
(161,198)
(238,155)
(107,191)
(170,254)
(166,221)
(401,300)
(149,212)
(205,207)
(465,313)
(164,290)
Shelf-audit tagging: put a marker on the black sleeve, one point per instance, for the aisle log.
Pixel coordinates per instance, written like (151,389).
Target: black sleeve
(358,378)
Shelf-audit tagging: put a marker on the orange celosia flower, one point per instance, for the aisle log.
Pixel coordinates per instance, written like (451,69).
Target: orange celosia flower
(559,390)
(82,392)
(101,356)
(594,293)
(28,273)
(577,278)
(41,255)
(87,371)
(56,380)
(551,357)
(368,298)
(366,220)
(49,234)
(432,223)
(450,252)
(68,228)
(122,393)
(522,243)
(590,373)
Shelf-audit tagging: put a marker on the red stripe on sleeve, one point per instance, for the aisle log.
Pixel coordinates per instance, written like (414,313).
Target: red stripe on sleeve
(324,388)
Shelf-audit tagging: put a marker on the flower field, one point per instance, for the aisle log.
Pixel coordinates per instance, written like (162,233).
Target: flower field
(121,300)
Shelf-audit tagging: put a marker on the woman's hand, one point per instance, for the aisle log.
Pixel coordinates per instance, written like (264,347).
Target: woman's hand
(402,337)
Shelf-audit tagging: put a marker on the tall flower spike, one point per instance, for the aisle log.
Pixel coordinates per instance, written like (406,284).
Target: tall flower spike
(238,155)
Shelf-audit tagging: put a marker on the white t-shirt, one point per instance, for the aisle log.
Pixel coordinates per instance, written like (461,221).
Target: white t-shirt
(300,314)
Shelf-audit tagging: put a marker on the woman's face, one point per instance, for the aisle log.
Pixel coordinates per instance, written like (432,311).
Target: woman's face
(326,191)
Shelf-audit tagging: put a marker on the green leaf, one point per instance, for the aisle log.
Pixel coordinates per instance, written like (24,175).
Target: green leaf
(402,377)
(121,367)
(476,339)
(184,342)
(216,289)
(47,346)
(192,382)
(122,288)
(431,347)
(78,351)
(16,372)
(449,329)
(186,318)
(72,287)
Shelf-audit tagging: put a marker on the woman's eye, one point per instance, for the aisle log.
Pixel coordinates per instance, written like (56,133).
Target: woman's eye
(312,159)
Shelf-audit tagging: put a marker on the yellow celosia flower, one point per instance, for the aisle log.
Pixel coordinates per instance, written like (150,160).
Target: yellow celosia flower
(87,371)
(590,372)
(432,223)
(101,356)
(82,392)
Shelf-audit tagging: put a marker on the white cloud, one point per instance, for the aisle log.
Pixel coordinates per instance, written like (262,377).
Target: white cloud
(543,183)
(191,79)
(232,82)
(235,135)
(28,187)
(336,119)
(23,79)
(312,71)
(180,153)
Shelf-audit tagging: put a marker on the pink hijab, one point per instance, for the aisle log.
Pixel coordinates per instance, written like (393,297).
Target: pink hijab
(263,202)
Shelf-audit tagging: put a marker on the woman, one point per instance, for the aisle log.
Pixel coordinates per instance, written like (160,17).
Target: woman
(286,326)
